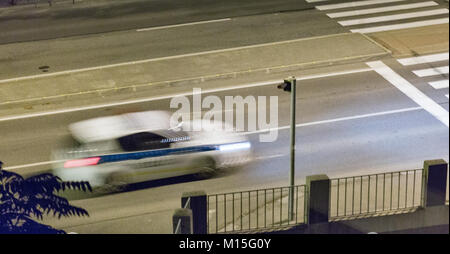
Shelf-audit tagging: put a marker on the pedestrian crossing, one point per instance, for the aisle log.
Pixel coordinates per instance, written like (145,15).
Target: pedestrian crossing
(369,16)
(354,4)
(431,71)
(423,59)
(438,72)
(393,17)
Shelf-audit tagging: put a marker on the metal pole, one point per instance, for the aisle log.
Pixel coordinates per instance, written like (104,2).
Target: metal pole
(292,173)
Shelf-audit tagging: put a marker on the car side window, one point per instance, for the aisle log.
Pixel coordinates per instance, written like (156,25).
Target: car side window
(143,141)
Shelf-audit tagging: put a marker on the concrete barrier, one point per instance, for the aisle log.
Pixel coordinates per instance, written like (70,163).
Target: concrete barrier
(182,221)
(197,203)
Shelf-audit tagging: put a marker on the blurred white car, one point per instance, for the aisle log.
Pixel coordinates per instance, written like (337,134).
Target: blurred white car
(137,147)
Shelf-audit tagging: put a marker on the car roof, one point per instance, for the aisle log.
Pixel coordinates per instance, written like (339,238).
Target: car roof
(113,127)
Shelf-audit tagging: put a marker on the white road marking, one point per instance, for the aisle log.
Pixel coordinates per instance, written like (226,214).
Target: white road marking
(266,157)
(165,97)
(339,119)
(266,130)
(33,164)
(381,9)
(315,1)
(431,71)
(354,4)
(446,96)
(401,26)
(423,59)
(180,25)
(411,91)
(439,84)
(393,17)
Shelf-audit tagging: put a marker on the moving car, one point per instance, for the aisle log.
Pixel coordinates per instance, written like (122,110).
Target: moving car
(141,146)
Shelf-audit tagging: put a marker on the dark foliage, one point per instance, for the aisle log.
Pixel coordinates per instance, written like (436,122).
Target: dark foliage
(22,199)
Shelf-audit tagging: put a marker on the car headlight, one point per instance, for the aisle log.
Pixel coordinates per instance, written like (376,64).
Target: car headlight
(235,146)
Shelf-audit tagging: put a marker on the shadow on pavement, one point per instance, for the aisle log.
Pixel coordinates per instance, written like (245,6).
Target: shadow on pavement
(110,190)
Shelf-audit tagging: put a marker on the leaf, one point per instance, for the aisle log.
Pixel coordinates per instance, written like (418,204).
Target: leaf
(21,199)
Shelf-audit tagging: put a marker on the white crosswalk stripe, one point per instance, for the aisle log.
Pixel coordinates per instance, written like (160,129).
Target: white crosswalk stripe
(440,84)
(410,15)
(381,9)
(400,26)
(431,71)
(354,4)
(424,59)
(393,17)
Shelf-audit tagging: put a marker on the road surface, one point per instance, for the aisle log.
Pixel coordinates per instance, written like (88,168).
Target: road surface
(352,118)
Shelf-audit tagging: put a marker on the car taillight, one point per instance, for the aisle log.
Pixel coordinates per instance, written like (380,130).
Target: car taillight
(82,162)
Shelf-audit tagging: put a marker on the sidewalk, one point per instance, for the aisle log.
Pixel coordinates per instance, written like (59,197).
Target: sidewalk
(415,41)
(181,72)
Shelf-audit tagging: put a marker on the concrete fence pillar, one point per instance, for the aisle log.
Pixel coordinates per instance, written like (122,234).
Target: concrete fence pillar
(434,182)
(199,208)
(182,218)
(318,190)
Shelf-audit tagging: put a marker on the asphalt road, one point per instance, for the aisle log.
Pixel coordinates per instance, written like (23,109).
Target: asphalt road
(110,34)
(366,144)
(23,59)
(93,17)
(348,124)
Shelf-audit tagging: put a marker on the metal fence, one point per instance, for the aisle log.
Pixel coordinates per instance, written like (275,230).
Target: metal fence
(368,194)
(255,209)
(349,197)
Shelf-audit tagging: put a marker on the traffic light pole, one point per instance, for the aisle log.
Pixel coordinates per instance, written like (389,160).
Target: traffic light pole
(290,85)
(292,172)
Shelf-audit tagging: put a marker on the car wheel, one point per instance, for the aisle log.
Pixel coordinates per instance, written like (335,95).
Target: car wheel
(206,167)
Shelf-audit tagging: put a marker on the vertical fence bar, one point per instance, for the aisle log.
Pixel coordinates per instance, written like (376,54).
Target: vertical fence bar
(360,194)
(233,211)
(281,205)
(291,192)
(249,211)
(225,212)
(414,187)
(406,190)
(384,189)
(345,198)
(241,211)
(273,206)
(392,183)
(257,209)
(398,201)
(368,196)
(265,207)
(337,199)
(217,214)
(376,192)
(353,195)
(207,209)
